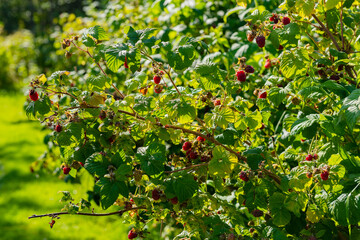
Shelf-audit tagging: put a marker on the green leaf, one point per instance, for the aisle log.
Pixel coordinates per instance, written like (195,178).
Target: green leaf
(223,117)
(110,191)
(305,7)
(274,38)
(95,165)
(30,110)
(43,105)
(257,16)
(303,123)
(98,83)
(152,158)
(181,58)
(281,216)
(222,162)
(185,113)
(294,64)
(115,56)
(277,95)
(351,108)
(227,137)
(185,187)
(290,35)
(232,11)
(210,75)
(331,4)
(348,3)
(339,54)
(92,35)
(351,204)
(122,171)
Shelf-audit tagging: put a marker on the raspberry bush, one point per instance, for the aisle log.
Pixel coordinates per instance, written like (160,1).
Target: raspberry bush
(230,132)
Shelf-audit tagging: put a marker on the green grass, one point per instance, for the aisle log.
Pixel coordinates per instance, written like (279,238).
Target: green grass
(23,193)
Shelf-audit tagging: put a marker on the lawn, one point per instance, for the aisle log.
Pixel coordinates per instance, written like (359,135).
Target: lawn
(23,193)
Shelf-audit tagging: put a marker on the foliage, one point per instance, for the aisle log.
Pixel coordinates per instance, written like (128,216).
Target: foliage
(274,156)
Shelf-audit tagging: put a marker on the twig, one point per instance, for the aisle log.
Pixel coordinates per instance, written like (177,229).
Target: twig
(186,168)
(327,31)
(53,91)
(342,25)
(102,70)
(121,212)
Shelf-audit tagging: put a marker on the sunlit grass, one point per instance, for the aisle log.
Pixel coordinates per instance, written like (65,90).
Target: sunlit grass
(23,194)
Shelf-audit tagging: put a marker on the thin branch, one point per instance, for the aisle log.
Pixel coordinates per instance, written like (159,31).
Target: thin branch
(102,70)
(186,168)
(211,139)
(327,31)
(53,215)
(66,93)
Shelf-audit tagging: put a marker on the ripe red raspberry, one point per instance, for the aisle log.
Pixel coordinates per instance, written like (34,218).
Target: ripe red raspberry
(186,146)
(243,176)
(249,69)
(260,40)
(324,175)
(217,102)
(132,234)
(66,170)
(315,156)
(174,200)
(286,20)
(267,64)
(200,139)
(58,128)
(33,95)
(125,63)
(271,19)
(155,194)
(158,88)
(257,213)
(263,95)
(241,76)
(309,157)
(157,79)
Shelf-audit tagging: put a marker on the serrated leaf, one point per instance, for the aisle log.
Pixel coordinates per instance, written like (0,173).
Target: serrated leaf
(115,56)
(304,123)
(277,95)
(222,162)
(98,83)
(185,187)
(232,11)
(294,64)
(110,191)
(351,108)
(331,4)
(95,165)
(152,158)
(92,35)
(305,7)
(185,113)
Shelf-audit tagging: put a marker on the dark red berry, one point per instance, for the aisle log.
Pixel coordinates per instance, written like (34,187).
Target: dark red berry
(241,76)
(260,40)
(200,139)
(321,73)
(186,146)
(263,95)
(33,95)
(286,20)
(174,200)
(217,102)
(243,176)
(271,19)
(309,157)
(52,223)
(66,170)
(324,175)
(193,155)
(257,213)
(157,79)
(309,174)
(281,47)
(58,128)
(267,64)
(249,69)
(125,63)
(155,194)
(334,77)
(315,156)
(132,234)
